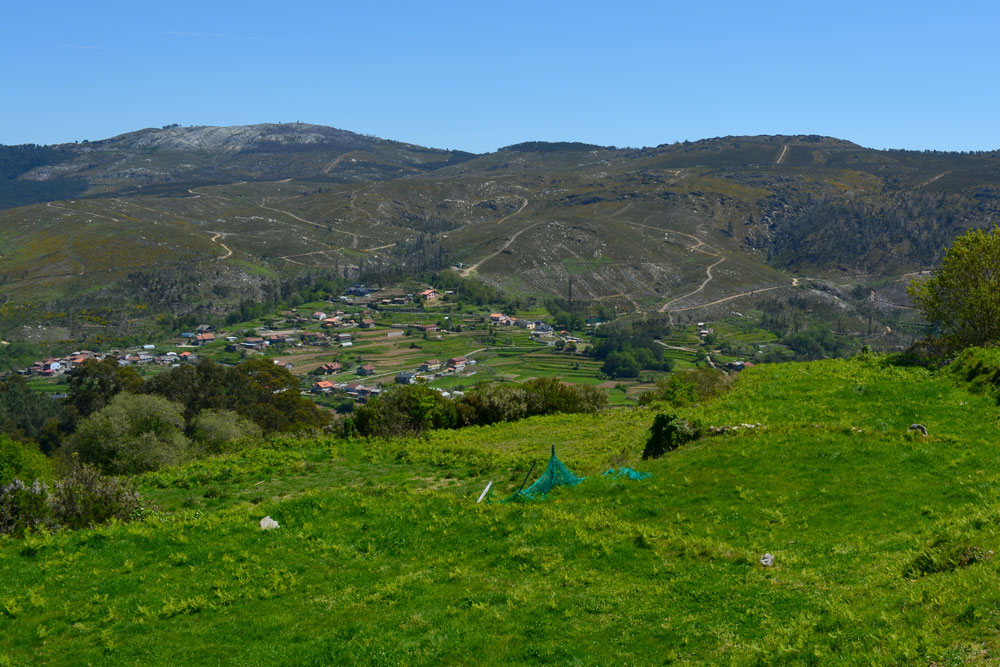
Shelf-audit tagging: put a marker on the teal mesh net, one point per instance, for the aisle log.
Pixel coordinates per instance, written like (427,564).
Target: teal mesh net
(556,474)
(627,473)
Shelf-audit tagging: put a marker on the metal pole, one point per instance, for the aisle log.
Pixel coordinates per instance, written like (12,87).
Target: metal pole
(526,478)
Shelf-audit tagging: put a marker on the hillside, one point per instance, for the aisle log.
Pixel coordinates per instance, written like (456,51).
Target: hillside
(202,218)
(883,542)
(205,154)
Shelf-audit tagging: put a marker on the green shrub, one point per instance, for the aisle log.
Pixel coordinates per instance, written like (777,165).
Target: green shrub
(85,497)
(689,386)
(214,430)
(22,460)
(492,403)
(548,395)
(667,433)
(23,507)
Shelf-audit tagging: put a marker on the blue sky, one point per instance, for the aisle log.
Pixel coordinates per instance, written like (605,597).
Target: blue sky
(479,75)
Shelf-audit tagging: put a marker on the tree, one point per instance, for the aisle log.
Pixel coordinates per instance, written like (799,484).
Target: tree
(269,395)
(93,383)
(963,296)
(25,412)
(406,410)
(133,434)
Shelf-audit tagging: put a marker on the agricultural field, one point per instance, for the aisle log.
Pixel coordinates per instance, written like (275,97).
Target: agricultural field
(882,541)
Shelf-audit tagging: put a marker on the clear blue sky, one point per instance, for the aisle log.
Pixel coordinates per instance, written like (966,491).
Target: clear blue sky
(478,75)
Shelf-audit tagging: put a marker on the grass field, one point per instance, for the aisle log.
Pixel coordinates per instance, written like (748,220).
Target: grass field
(883,543)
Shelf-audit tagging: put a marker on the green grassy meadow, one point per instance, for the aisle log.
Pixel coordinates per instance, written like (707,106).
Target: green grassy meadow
(883,542)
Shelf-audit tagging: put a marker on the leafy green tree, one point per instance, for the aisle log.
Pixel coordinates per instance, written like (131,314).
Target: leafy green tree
(963,295)
(406,410)
(24,412)
(201,387)
(94,383)
(621,364)
(269,395)
(132,434)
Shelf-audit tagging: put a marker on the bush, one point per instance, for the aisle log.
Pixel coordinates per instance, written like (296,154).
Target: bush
(85,497)
(489,404)
(22,460)
(406,410)
(212,430)
(133,434)
(492,403)
(548,395)
(667,433)
(688,387)
(23,507)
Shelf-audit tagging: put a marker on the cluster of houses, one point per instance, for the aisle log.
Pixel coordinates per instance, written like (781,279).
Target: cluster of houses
(342,320)
(146,355)
(428,370)
(535,326)
(355,390)
(361,393)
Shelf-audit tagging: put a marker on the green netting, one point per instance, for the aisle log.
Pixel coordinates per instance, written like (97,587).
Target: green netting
(556,474)
(625,472)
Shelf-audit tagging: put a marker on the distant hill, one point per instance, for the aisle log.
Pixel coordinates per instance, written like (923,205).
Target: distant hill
(212,154)
(203,217)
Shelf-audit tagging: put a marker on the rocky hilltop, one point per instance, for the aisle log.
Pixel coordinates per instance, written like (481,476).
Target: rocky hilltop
(235,138)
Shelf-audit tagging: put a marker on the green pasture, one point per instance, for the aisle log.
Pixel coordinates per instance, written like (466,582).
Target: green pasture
(883,542)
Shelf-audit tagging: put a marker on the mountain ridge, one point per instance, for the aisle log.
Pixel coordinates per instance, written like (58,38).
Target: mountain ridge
(693,227)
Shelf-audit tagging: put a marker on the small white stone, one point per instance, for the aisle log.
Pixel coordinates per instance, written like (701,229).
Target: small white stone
(767,560)
(267,523)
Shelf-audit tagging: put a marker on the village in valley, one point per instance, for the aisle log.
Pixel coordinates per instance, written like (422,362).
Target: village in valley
(355,345)
(351,347)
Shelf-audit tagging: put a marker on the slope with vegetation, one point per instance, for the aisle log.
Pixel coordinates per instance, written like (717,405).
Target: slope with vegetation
(882,539)
(696,229)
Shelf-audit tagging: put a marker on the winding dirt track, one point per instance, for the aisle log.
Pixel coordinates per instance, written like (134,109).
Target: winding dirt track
(730,298)
(511,215)
(708,279)
(465,272)
(82,211)
(929,181)
(698,247)
(289,214)
(215,239)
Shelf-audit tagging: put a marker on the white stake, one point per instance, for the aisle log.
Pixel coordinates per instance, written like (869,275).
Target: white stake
(485,491)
